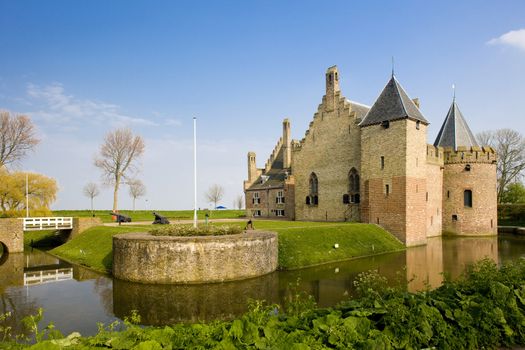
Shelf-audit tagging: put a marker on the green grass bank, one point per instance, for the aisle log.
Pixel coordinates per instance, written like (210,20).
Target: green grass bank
(146,215)
(301,244)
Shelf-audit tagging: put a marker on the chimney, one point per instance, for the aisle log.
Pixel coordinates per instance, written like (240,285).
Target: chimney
(287,144)
(252,167)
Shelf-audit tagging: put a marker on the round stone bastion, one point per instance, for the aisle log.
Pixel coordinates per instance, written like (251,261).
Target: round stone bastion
(141,257)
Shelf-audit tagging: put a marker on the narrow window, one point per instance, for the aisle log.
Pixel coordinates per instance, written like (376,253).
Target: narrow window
(382,162)
(427,196)
(454,217)
(314,189)
(280,197)
(387,189)
(353,186)
(308,200)
(467,198)
(448,194)
(346,199)
(417,124)
(377,220)
(491,223)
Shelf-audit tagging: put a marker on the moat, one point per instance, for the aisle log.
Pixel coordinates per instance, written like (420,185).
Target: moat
(75,298)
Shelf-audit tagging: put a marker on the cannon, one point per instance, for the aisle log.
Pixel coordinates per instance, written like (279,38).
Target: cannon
(160,220)
(121,217)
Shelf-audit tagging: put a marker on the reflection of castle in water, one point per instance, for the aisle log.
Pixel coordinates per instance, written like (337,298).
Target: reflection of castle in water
(427,265)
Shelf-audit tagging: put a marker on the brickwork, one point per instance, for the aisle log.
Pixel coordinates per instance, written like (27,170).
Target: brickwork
(12,235)
(330,149)
(407,186)
(471,169)
(395,157)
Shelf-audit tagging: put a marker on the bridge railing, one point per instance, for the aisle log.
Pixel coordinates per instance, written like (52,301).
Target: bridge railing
(48,276)
(49,223)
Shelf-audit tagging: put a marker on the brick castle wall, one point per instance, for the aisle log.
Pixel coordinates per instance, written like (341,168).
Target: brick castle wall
(481,218)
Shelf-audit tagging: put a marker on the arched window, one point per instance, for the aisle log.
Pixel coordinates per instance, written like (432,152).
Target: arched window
(467,198)
(353,185)
(314,184)
(314,190)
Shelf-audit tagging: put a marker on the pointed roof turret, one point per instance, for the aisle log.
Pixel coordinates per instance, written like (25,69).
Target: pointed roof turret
(455,131)
(392,104)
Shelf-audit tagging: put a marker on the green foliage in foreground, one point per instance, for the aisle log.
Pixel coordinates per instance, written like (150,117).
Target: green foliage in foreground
(93,248)
(189,230)
(146,215)
(300,243)
(484,309)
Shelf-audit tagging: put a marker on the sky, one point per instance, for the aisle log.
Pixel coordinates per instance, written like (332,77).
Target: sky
(81,69)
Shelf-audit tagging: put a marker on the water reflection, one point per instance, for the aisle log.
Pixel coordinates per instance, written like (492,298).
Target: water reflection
(167,304)
(89,298)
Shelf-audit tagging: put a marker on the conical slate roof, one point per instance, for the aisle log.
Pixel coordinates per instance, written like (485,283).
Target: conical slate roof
(392,104)
(455,132)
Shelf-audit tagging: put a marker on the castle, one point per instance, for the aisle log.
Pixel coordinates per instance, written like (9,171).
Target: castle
(374,165)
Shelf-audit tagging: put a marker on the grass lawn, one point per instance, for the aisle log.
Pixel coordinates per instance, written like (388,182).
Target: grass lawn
(312,243)
(146,215)
(300,243)
(94,247)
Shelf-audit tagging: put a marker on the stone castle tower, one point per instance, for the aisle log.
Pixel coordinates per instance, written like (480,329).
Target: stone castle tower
(469,179)
(374,165)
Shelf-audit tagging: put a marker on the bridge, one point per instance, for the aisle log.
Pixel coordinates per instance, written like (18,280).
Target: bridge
(12,229)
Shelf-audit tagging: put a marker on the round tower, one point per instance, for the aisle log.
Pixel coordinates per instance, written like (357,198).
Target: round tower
(469,191)
(470,204)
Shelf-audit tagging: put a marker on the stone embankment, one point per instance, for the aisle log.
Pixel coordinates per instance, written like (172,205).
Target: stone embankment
(168,259)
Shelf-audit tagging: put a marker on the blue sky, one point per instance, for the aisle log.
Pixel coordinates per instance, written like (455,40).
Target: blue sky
(82,68)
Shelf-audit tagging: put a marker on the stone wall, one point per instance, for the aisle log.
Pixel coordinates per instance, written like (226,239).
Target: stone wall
(330,149)
(470,169)
(401,211)
(12,234)
(155,259)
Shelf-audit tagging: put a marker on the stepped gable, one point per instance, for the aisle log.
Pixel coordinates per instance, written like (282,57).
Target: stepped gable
(274,173)
(392,104)
(455,131)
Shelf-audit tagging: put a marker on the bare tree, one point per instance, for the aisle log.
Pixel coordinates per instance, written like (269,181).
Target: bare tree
(91,190)
(136,190)
(118,157)
(510,148)
(17,137)
(239,201)
(215,194)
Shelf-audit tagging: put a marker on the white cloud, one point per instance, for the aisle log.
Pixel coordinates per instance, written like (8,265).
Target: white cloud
(56,106)
(514,38)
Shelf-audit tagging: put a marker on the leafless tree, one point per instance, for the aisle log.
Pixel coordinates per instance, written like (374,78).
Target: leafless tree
(91,190)
(118,157)
(17,137)
(215,194)
(136,190)
(239,201)
(510,148)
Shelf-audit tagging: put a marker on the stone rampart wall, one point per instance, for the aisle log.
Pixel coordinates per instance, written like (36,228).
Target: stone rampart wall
(12,234)
(166,259)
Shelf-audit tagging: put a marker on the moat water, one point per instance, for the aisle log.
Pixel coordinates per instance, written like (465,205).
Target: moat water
(75,298)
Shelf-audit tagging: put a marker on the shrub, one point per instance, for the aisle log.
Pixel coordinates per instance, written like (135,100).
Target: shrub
(186,230)
(511,212)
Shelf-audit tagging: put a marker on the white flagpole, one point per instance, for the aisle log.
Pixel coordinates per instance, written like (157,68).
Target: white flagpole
(194,172)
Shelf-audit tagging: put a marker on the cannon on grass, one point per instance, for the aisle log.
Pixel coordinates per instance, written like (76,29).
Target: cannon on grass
(160,220)
(120,218)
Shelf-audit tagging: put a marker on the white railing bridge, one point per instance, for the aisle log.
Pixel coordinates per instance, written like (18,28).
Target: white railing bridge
(49,223)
